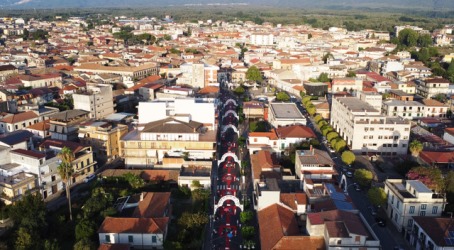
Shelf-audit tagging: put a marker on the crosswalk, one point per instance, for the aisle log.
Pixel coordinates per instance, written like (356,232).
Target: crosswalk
(224,187)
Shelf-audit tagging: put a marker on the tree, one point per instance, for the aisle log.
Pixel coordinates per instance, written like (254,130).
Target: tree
(193,220)
(311,110)
(239,90)
(425,40)
(363,177)
(254,74)
(377,196)
(326,57)
(246,216)
(331,135)
(323,77)
(51,245)
(135,181)
(282,96)
(24,240)
(339,145)
(431,177)
(65,170)
(85,229)
(326,129)
(247,232)
(85,244)
(408,37)
(348,157)
(306,100)
(415,147)
(29,213)
(351,74)
(200,194)
(318,118)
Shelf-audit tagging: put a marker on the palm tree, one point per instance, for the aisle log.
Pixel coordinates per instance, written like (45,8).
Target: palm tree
(415,147)
(65,170)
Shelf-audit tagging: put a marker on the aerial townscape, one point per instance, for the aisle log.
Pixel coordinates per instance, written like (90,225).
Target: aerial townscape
(226,126)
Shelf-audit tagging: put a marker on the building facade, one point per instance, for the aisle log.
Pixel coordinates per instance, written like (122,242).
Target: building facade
(97,100)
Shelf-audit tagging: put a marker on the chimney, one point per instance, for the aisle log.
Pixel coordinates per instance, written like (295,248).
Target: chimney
(312,150)
(141,196)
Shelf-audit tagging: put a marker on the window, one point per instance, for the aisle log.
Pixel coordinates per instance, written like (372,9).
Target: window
(371,137)
(434,210)
(392,199)
(423,206)
(412,210)
(397,204)
(108,238)
(404,145)
(395,145)
(422,213)
(153,239)
(130,238)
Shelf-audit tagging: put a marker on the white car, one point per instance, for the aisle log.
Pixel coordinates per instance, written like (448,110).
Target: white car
(89,178)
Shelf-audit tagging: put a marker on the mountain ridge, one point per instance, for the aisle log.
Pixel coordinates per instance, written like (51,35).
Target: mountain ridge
(415,4)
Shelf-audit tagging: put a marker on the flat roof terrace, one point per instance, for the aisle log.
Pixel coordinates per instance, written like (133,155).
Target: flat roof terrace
(286,111)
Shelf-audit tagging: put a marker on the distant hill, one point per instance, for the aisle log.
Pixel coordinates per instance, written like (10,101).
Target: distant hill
(414,4)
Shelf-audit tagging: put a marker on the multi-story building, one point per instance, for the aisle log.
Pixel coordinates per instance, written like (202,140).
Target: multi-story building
(431,87)
(13,187)
(129,73)
(373,98)
(167,137)
(198,75)
(13,122)
(64,125)
(432,233)
(103,137)
(7,71)
(83,163)
(38,81)
(198,109)
(312,166)
(284,114)
(97,100)
(408,198)
(346,84)
(265,39)
(367,131)
(405,109)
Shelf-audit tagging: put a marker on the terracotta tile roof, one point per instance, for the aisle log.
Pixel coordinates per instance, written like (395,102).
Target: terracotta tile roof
(432,103)
(323,105)
(149,79)
(301,242)
(295,131)
(134,225)
(352,221)
(209,90)
(74,146)
(29,153)
(336,229)
(271,135)
(262,162)
(41,126)
(436,228)
(275,222)
(153,205)
(117,246)
(20,117)
(293,199)
(431,157)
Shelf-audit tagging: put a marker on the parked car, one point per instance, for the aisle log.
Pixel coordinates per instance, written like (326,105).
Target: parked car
(380,221)
(89,178)
(372,210)
(357,187)
(349,174)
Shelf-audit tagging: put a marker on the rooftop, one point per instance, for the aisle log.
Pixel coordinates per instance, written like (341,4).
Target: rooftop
(356,105)
(286,111)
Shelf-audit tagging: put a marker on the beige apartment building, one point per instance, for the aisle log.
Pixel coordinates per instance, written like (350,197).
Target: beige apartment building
(408,198)
(367,131)
(103,137)
(64,125)
(13,187)
(167,138)
(97,99)
(128,73)
(83,164)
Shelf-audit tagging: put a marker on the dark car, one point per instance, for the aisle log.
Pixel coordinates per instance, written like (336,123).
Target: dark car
(372,210)
(380,221)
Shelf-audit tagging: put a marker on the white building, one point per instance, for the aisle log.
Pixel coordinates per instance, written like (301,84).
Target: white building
(431,87)
(367,131)
(409,198)
(373,98)
(284,114)
(199,110)
(98,100)
(198,75)
(265,39)
(432,233)
(405,109)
